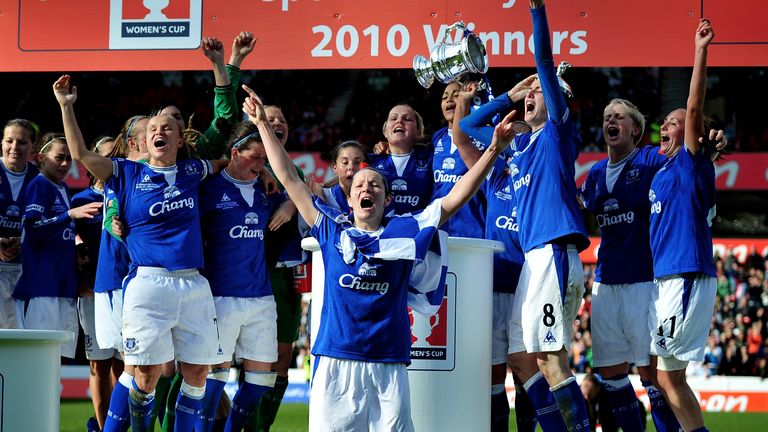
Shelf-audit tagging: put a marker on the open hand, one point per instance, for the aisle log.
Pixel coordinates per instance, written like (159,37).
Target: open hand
(65,94)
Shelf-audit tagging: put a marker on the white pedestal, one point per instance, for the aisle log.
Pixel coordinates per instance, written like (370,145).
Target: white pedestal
(30,386)
(450,373)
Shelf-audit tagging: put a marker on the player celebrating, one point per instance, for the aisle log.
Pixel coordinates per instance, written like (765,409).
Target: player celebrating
(158,201)
(448,166)
(682,199)
(19,138)
(533,400)
(235,211)
(616,191)
(364,330)
(48,247)
(551,229)
(408,167)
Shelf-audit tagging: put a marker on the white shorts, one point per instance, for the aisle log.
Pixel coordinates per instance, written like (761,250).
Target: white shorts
(9,276)
(169,315)
(108,308)
(88,323)
(351,395)
(50,313)
(619,323)
(248,327)
(547,299)
(681,313)
(501,331)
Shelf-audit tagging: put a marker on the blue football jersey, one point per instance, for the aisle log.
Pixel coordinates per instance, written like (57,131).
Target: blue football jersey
(364,313)
(682,200)
(624,256)
(114,262)
(159,206)
(48,243)
(337,199)
(501,225)
(89,230)
(542,169)
(448,167)
(235,215)
(412,186)
(12,187)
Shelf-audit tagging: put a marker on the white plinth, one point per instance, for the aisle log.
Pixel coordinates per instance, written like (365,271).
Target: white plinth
(450,373)
(30,386)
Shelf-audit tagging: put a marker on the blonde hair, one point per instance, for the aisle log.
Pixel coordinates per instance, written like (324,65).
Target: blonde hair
(634,113)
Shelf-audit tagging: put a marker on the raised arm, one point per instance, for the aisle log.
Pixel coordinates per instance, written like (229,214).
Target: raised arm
(224,101)
(694,110)
(468,152)
(545,63)
(477,124)
(98,165)
(278,158)
(470,182)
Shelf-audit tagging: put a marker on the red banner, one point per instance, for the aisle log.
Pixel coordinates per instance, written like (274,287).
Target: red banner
(58,35)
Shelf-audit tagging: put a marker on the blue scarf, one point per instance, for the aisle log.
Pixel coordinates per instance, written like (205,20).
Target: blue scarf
(408,236)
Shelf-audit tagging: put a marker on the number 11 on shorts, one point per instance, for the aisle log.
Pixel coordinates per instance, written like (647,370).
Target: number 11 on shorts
(671,321)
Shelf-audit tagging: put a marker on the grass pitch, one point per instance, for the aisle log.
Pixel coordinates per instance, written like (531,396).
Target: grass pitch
(294,417)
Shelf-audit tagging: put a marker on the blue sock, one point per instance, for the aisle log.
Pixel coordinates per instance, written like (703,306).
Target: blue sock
(247,398)
(214,387)
(525,415)
(119,415)
(499,408)
(661,413)
(141,404)
(572,406)
(624,403)
(543,401)
(189,406)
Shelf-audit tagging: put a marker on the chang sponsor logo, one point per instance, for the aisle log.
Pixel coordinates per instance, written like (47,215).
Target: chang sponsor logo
(412,200)
(522,181)
(508,222)
(357,283)
(245,231)
(449,164)
(9,223)
(399,185)
(68,234)
(442,177)
(164,206)
(605,220)
(12,211)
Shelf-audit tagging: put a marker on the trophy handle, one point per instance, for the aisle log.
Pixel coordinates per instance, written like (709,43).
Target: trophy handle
(457,25)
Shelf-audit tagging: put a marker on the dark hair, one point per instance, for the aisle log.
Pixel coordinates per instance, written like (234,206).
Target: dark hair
(242,135)
(348,144)
(48,138)
(387,190)
(24,124)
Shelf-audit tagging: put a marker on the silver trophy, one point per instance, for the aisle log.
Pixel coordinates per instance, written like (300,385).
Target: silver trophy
(561,68)
(448,62)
